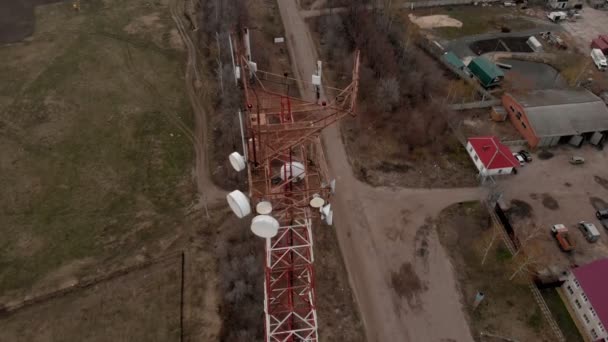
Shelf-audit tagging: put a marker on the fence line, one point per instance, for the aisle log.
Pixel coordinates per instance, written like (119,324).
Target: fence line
(12,307)
(535,292)
(476,104)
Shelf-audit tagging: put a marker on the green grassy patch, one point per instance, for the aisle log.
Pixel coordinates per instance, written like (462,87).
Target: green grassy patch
(95,165)
(561,315)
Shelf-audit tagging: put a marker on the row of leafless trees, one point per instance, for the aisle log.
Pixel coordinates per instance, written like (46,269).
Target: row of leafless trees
(216,19)
(402,88)
(239,256)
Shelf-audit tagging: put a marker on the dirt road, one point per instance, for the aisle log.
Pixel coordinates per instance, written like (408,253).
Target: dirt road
(402,278)
(207,190)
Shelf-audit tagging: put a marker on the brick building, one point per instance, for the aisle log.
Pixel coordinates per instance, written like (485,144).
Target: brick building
(548,117)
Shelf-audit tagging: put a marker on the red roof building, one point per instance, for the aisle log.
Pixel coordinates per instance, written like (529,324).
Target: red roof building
(490,156)
(587,290)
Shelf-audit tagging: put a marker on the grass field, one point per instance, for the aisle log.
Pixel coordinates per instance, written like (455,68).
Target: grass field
(93,168)
(478,20)
(143,305)
(508,308)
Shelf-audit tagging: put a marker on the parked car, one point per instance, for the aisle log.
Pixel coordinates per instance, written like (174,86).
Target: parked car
(560,232)
(589,231)
(576,160)
(526,155)
(520,159)
(602,215)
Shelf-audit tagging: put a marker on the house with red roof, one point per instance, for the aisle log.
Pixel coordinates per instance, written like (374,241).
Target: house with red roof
(490,156)
(586,289)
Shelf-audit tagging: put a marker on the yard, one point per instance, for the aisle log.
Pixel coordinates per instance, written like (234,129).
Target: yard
(508,309)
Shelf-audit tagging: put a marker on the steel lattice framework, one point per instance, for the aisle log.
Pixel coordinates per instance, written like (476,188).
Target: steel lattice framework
(282,131)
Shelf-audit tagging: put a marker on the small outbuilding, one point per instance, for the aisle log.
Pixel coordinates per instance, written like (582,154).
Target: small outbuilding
(453,60)
(565,4)
(491,157)
(534,44)
(486,72)
(550,116)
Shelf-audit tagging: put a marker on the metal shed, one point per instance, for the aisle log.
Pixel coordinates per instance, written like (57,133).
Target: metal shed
(453,60)
(486,72)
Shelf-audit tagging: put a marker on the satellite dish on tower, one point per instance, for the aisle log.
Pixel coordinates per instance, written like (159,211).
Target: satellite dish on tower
(296,168)
(317,201)
(329,218)
(239,203)
(264,208)
(264,226)
(327,214)
(237,161)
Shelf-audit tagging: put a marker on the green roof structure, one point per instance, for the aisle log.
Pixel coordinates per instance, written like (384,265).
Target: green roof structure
(453,60)
(486,72)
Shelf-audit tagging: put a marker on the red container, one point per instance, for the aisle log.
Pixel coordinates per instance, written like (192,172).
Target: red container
(599,43)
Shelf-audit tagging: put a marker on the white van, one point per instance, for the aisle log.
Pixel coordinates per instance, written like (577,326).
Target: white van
(589,231)
(599,59)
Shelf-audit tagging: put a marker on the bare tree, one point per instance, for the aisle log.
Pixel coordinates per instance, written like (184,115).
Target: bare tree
(528,233)
(490,243)
(387,94)
(527,261)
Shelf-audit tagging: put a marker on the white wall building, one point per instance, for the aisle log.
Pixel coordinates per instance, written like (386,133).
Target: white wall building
(490,156)
(586,288)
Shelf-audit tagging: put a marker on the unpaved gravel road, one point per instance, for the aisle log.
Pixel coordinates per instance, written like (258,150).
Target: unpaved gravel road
(208,192)
(401,276)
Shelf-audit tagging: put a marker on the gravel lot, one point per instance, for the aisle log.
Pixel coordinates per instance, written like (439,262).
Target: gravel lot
(593,23)
(559,192)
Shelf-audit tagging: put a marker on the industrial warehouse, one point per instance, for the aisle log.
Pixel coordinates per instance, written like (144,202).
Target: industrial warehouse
(549,117)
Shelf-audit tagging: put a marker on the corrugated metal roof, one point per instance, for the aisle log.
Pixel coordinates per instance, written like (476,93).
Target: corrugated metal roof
(488,67)
(593,278)
(559,112)
(492,153)
(451,58)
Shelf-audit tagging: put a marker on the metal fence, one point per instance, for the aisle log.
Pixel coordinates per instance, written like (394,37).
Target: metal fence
(559,336)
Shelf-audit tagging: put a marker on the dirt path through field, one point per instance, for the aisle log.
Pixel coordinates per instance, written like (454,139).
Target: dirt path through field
(402,278)
(206,189)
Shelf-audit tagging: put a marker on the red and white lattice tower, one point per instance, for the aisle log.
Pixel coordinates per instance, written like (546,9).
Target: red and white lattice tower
(289,185)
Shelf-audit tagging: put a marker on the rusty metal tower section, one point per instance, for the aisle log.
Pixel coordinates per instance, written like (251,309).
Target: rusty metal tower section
(289,185)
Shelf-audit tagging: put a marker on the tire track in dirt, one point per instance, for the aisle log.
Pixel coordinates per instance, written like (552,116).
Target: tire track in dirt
(206,189)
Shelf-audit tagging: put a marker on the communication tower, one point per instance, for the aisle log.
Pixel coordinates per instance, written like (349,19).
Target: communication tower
(289,184)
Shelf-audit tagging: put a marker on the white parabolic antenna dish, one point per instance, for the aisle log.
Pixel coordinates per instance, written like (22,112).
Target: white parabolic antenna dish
(264,226)
(264,208)
(239,203)
(296,167)
(237,161)
(317,202)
